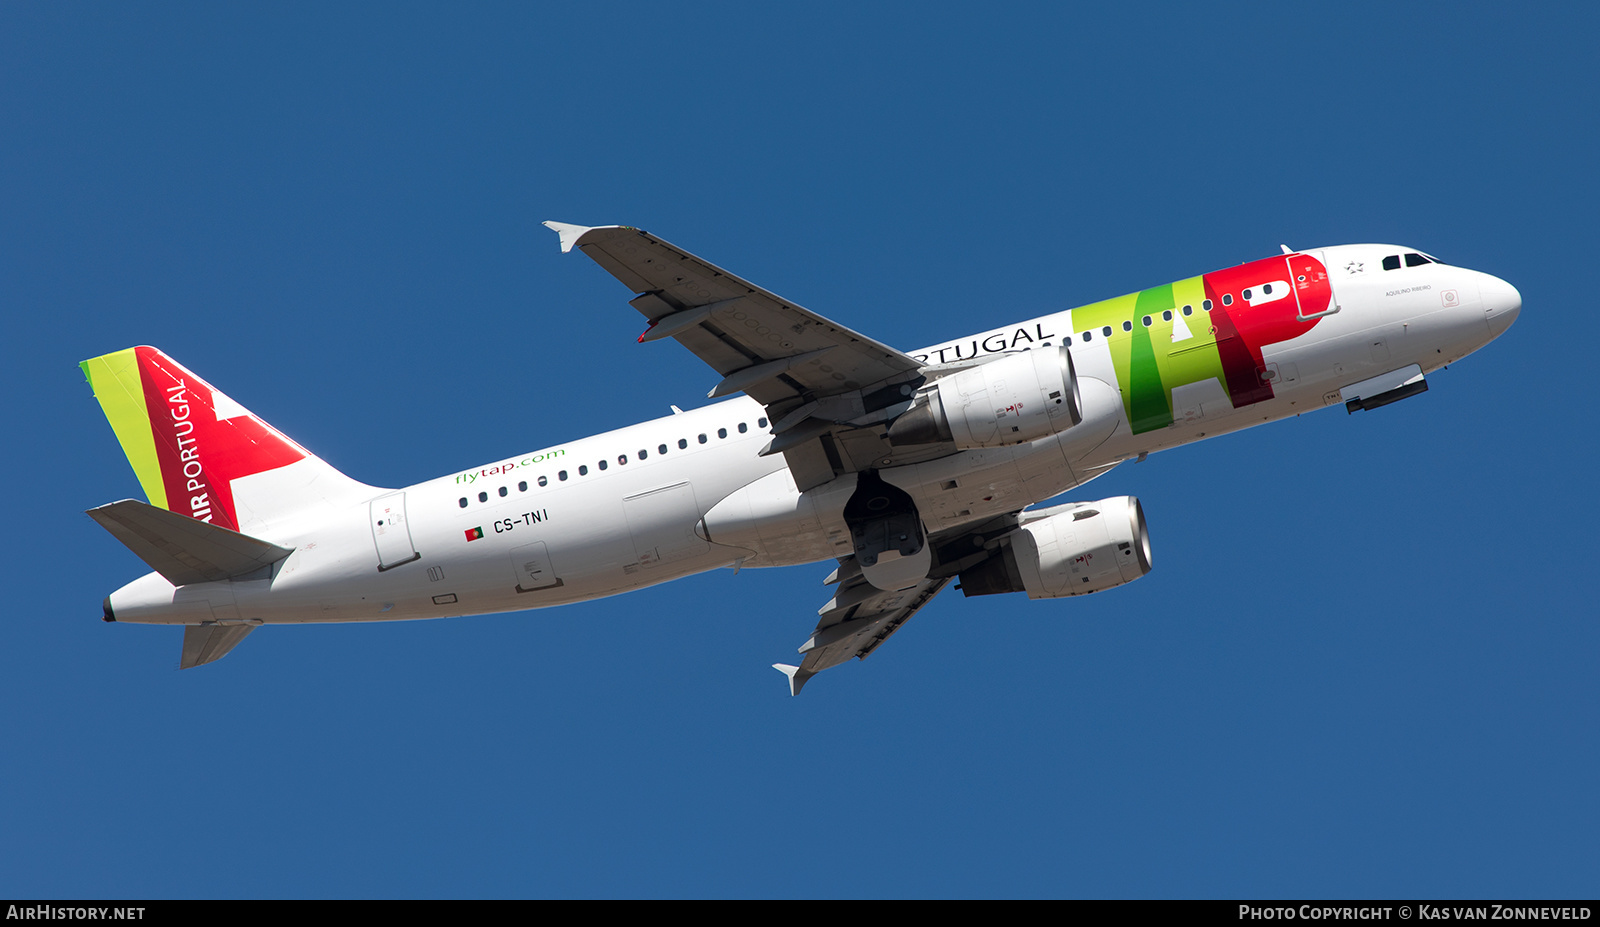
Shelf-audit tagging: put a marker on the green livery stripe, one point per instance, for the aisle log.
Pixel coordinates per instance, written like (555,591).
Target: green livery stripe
(1110,313)
(1193,359)
(1147,362)
(116,383)
(1149,406)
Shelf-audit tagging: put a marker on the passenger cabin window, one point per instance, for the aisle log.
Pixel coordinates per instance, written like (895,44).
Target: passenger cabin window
(503,492)
(603,464)
(743,428)
(762,422)
(545,480)
(1188,310)
(1206,305)
(662,449)
(722,432)
(583,469)
(483,497)
(684,442)
(1088,336)
(1127,326)
(463,501)
(1392,262)
(522,486)
(1227,299)
(562,475)
(1166,316)
(1106,331)
(643,453)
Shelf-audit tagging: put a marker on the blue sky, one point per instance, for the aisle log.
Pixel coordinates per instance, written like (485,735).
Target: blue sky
(1362,666)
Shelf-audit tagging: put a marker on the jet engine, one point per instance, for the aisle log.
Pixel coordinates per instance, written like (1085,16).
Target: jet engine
(1067,550)
(1012,400)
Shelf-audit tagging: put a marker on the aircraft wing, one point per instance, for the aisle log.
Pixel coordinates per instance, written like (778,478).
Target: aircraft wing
(760,343)
(855,621)
(860,616)
(825,386)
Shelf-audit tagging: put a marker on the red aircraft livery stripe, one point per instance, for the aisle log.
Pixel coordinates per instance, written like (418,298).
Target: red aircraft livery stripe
(202,455)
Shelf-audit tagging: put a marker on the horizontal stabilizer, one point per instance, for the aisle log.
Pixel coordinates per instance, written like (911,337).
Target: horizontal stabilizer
(205,643)
(182,549)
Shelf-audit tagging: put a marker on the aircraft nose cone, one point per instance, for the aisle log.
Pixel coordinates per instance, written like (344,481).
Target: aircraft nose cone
(1501,303)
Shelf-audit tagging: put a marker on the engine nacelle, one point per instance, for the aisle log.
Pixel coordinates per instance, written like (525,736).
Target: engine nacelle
(1012,400)
(1067,550)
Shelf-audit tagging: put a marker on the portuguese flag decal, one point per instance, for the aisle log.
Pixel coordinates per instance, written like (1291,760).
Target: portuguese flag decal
(474,533)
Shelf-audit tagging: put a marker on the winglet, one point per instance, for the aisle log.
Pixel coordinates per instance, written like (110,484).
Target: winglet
(569,233)
(797,676)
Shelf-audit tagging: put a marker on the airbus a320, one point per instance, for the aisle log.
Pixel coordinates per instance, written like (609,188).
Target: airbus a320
(909,470)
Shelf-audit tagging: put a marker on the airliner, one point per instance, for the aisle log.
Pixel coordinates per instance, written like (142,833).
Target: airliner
(908,470)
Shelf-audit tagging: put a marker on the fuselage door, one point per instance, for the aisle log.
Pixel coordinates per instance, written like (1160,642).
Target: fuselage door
(390,532)
(1313,290)
(532,565)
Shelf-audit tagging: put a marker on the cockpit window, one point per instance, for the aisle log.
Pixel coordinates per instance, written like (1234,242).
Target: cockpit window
(1392,262)
(1414,259)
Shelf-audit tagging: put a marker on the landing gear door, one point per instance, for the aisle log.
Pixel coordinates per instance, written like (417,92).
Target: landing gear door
(390,531)
(1313,290)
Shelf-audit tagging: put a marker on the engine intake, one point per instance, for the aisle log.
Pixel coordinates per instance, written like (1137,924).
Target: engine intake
(1067,550)
(1012,400)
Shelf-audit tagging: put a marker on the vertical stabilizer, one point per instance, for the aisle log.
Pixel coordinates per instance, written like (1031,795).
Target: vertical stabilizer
(198,453)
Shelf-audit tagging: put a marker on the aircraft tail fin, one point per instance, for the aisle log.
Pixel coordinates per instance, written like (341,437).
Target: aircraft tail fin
(199,454)
(182,549)
(206,643)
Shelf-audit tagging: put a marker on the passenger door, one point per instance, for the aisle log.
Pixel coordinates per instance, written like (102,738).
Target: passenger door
(391,535)
(1313,287)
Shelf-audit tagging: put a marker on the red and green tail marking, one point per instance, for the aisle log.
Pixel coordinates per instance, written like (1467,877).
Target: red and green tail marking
(187,442)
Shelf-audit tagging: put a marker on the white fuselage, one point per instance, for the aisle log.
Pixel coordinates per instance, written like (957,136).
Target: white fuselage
(613,512)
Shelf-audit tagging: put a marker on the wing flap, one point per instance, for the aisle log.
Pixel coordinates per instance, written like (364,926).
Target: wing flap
(182,549)
(856,621)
